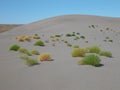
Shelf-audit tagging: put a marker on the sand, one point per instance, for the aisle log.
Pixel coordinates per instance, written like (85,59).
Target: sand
(63,73)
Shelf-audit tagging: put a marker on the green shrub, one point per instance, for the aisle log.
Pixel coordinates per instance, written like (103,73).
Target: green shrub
(92,59)
(92,26)
(78,33)
(76,46)
(39,43)
(76,38)
(110,40)
(94,49)
(83,37)
(78,52)
(106,53)
(25,51)
(57,35)
(68,35)
(29,61)
(69,45)
(14,47)
(35,52)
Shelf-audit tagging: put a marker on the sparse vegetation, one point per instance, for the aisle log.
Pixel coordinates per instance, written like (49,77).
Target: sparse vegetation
(36,36)
(24,51)
(35,52)
(83,37)
(78,52)
(94,49)
(68,35)
(14,47)
(92,59)
(76,46)
(106,53)
(39,43)
(29,61)
(69,45)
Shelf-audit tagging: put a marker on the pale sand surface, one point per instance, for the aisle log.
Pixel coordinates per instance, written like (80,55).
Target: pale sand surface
(63,73)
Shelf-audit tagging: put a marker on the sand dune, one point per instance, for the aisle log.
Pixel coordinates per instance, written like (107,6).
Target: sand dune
(63,73)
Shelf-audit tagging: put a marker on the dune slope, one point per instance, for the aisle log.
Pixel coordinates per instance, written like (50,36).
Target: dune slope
(63,73)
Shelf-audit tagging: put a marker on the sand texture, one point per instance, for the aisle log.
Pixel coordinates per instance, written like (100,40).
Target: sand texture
(63,73)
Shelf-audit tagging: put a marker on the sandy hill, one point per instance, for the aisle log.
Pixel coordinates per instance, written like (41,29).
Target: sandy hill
(63,73)
(6,27)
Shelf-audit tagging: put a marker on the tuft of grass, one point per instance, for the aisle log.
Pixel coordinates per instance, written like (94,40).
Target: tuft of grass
(69,45)
(39,43)
(94,49)
(76,38)
(14,47)
(68,35)
(78,33)
(29,61)
(92,59)
(110,40)
(105,53)
(83,37)
(76,46)
(45,57)
(93,26)
(57,35)
(36,36)
(78,52)
(24,51)
(35,52)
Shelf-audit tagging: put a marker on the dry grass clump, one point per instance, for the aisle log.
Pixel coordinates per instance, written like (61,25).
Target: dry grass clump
(78,52)
(45,57)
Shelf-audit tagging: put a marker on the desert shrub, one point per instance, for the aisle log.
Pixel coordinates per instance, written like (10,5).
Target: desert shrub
(35,52)
(73,34)
(65,41)
(110,40)
(29,61)
(27,38)
(92,59)
(45,57)
(78,33)
(24,51)
(94,49)
(52,37)
(57,35)
(76,46)
(36,36)
(78,52)
(92,26)
(76,38)
(39,43)
(83,37)
(21,38)
(106,53)
(68,35)
(106,37)
(14,47)
(69,45)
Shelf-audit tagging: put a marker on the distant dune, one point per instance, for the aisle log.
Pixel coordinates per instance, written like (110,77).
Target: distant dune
(6,27)
(60,34)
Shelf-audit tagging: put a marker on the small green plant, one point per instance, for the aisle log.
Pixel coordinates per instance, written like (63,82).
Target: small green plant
(76,46)
(107,38)
(92,26)
(39,43)
(106,53)
(76,38)
(25,51)
(110,40)
(65,41)
(78,33)
(68,35)
(92,59)
(69,45)
(35,52)
(94,49)
(78,52)
(14,47)
(83,37)
(29,61)
(57,35)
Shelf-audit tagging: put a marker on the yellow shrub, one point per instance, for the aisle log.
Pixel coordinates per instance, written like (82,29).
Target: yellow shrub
(20,38)
(27,38)
(44,57)
(36,37)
